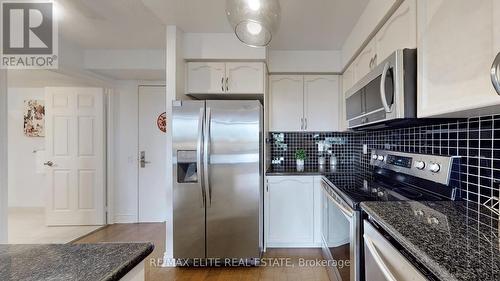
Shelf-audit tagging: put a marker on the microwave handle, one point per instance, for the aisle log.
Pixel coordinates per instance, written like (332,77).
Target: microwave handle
(494,73)
(382,89)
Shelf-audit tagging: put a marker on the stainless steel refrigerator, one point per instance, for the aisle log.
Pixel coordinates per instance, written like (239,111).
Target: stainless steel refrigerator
(218,183)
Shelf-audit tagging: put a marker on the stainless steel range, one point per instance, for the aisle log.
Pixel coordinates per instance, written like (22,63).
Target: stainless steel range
(395,176)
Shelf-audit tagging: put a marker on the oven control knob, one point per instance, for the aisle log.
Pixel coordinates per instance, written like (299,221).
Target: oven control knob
(380,158)
(434,167)
(374,156)
(420,165)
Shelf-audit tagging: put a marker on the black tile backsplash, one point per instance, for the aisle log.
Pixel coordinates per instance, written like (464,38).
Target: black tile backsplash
(344,146)
(475,140)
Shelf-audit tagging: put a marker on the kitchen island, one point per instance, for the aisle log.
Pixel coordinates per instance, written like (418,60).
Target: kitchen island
(83,262)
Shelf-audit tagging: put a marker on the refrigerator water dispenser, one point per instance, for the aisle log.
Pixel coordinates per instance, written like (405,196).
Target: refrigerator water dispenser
(187,171)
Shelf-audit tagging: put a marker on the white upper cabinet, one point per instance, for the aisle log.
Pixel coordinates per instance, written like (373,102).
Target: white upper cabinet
(365,61)
(286,102)
(458,42)
(399,32)
(321,103)
(245,77)
(225,78)
(205,77)
(304,103)
(348,78)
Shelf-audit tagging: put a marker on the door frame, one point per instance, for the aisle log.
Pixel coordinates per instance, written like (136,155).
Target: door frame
(137,218)
(3,157)
(109,148)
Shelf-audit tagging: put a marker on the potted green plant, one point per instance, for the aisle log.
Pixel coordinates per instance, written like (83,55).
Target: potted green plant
(300,157)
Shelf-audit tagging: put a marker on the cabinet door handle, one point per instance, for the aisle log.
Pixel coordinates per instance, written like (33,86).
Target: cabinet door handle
(387,108)
(305,123)
(302,123)
(374,60)
(222,83)
(370,65)
(495,72)
(227,84)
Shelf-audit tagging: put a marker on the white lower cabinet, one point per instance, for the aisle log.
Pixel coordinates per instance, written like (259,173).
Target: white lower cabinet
(292,211)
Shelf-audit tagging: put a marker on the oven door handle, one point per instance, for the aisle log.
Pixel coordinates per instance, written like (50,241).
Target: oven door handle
(347,213)
(376,256)
(387,108)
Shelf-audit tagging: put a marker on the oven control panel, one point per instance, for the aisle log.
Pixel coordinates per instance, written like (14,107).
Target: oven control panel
(400,161)
(430,167)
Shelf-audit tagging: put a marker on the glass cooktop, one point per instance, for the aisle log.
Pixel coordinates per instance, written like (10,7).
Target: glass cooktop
(356,188)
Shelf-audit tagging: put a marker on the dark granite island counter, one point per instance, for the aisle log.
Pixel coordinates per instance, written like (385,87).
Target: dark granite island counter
(453,240)
(92,262)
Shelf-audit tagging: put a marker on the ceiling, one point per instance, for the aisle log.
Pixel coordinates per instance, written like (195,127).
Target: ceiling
(125,24)
(110,24)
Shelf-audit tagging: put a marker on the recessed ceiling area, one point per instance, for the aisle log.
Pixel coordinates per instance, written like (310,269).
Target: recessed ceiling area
(314,25)
(124,24)
(110,24)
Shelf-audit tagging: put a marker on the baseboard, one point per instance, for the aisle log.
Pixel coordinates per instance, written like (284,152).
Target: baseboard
(125,219)
(291,245)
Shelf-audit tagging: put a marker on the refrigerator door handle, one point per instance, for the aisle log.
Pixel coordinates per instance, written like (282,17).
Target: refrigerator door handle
(199,153)
(206,157)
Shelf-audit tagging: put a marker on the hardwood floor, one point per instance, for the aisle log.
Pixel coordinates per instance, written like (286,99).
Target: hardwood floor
(155,232)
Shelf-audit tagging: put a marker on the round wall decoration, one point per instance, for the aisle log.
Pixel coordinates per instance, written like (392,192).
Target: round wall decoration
(162,122)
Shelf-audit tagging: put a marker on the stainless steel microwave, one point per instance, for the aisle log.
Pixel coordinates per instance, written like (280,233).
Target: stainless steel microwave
(385,96)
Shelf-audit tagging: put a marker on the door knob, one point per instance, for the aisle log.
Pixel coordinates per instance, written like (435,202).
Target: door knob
(49,163)
(143,159)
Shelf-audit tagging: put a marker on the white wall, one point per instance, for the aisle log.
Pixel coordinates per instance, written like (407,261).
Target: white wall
(175,89)
(223,46)
(3,157)
(125,156)
(126,145)
(26,186)
(124,59)
(304,61)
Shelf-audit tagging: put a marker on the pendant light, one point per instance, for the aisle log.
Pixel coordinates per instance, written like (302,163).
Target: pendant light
(254,21)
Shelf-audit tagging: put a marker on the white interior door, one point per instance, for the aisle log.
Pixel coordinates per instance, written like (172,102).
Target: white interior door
(152,152)
(75,144)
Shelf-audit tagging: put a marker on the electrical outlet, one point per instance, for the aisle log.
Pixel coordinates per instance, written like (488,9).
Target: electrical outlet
(365,149)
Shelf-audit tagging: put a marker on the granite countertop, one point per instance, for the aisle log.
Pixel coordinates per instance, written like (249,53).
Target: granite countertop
(463,245)
(82,262)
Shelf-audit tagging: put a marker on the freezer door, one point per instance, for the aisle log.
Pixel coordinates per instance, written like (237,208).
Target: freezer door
(188,192)
(234,180)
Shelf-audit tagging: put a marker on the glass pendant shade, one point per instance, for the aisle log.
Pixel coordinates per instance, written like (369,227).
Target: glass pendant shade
(254,21)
